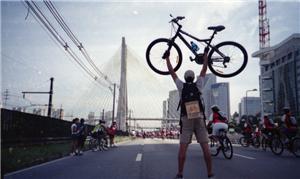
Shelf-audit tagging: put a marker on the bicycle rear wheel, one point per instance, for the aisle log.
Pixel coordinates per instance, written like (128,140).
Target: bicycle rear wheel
(227,148)
(232,63)
(296,147)
(214,147)
(154,54)
(276,146)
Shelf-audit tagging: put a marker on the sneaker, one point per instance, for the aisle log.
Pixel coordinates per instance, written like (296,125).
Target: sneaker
(72,154)
(178,176)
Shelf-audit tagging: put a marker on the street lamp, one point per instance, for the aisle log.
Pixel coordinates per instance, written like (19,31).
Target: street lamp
(247,101)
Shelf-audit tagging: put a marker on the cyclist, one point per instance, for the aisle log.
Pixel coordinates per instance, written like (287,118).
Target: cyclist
(289,124)
(99,132)
(217,121)
(247,130)
(269,127)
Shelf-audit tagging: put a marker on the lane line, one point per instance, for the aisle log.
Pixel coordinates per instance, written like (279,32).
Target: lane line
(37,166)
(138,157)
(243,156)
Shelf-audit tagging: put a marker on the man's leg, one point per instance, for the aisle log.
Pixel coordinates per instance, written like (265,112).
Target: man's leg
(181,157)
(207,158)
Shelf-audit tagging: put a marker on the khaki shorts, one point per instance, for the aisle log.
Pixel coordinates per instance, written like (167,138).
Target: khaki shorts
(190,126)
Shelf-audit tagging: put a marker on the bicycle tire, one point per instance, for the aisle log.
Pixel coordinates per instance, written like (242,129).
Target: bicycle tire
(227,146)
(150,59)
(276,146)
(244,142)
(256,142)
(264,143)
(213,147)
(296,146)
(239,47)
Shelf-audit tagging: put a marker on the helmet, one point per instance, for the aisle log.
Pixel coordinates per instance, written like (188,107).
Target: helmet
(286,109)
(215,108)
(189,76)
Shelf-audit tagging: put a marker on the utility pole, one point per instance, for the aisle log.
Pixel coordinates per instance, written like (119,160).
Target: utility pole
(113,111)
(103,114)
(50,95)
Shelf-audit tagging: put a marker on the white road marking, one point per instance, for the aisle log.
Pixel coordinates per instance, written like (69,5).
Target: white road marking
(243,156)
(138,157)
(37,166)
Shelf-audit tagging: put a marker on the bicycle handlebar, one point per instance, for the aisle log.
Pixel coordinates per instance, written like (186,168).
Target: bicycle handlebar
(176,19)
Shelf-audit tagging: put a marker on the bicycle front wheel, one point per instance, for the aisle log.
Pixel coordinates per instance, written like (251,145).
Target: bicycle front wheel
(296,147)
(214,147)
(154,54)
(276,146)
(227,148)
(227,59)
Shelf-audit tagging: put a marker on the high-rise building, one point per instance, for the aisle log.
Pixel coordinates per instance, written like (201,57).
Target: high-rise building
(250,106)
(280,76)
(91,118)
(173,102)
(221,97)
(165,109)
(207,95)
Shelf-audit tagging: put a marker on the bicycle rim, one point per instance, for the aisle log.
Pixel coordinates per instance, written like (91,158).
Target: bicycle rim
(227,148)
(276,146)
(214,147)
(154,54)
(237,59)
(296,147)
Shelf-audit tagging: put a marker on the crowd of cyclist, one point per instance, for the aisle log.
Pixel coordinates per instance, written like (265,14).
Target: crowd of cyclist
(286,127)
(79,133)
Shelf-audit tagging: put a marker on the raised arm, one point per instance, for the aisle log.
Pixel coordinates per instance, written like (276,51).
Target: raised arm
(204,66)
(170,68)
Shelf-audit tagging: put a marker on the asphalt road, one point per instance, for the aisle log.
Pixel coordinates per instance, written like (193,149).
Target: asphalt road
(157,159)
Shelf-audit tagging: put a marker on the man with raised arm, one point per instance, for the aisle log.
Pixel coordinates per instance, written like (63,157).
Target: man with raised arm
(192,119)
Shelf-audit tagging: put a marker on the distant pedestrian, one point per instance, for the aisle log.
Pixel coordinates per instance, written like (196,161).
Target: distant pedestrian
(74,136)
(112,132)
(82,133)
(192,113)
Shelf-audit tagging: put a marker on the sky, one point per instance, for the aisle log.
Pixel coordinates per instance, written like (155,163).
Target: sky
(29,56)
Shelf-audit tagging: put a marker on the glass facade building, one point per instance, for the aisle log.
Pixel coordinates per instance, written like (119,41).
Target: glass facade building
(280,76)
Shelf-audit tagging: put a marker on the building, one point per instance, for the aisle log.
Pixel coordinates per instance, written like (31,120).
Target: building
(91,118)
(207,95)
(280,76)
(250,106)
(220,92)
(173,102)
(165,109)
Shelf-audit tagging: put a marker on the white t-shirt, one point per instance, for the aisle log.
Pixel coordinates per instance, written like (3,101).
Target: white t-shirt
(73,128)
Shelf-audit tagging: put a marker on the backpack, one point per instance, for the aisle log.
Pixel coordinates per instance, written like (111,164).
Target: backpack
(190,92)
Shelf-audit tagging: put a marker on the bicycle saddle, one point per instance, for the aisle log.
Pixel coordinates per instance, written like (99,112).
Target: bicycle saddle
(216,28)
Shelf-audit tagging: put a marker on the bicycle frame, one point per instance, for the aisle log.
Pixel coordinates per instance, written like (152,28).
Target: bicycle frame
(179,33)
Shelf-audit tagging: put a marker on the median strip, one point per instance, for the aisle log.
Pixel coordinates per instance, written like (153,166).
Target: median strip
(139,157)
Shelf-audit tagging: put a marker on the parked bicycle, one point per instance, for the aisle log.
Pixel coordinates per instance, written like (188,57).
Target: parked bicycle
(221,143)
(96,144)
(225,59)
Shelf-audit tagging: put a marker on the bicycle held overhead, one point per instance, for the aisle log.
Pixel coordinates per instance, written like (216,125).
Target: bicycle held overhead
(225,59)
